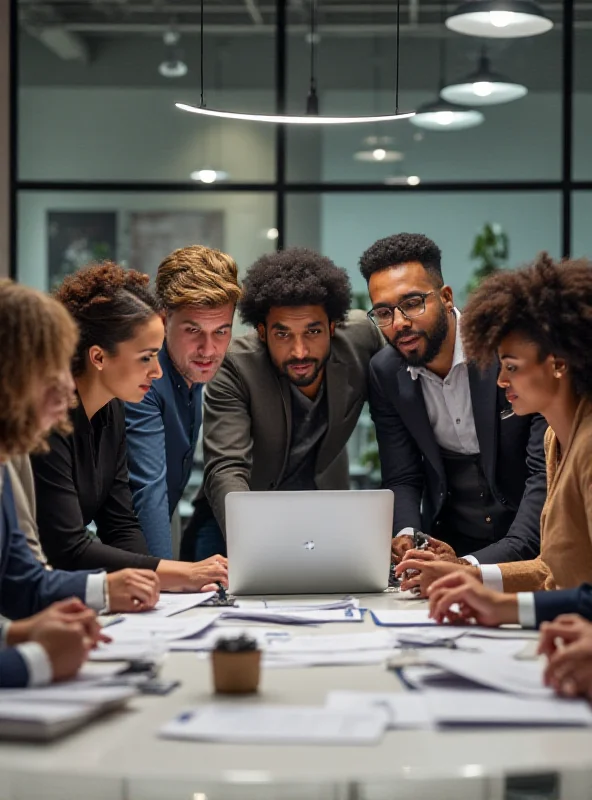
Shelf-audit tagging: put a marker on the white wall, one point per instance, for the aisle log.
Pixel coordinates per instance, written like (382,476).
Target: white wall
(351,223)
(247,219)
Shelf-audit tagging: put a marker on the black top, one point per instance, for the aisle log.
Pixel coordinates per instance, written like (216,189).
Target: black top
(84,478)
(310,421)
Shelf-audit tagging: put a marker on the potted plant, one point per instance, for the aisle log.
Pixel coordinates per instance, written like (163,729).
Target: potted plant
(491,250)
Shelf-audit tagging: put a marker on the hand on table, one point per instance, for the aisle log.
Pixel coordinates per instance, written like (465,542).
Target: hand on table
(199,576)
(66,645)
(475,601)
(66,612)
(567,643)
(133,590)
(424,568)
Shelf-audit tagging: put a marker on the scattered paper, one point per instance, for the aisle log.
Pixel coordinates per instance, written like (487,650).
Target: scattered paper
(294,618)
(396,617)
(331,643)
(348,658)
(478,707)
(171,603)
(244,723)
(207,641)
(503,673)
(402,709)
(283,606)
(145,628)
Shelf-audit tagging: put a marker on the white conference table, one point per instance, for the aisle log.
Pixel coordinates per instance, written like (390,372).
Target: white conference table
(120,757)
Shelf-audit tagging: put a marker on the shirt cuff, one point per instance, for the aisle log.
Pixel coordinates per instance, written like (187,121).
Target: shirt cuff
(38,663)
(405,532)
(472,560)
(492,577)
(526,610)
(97,594)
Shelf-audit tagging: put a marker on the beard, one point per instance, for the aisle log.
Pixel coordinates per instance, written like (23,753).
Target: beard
(305,380)
(434,341)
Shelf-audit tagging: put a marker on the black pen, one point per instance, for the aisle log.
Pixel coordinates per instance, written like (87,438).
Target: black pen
(221,591)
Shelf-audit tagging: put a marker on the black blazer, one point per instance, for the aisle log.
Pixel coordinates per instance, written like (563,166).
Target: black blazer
(512,457)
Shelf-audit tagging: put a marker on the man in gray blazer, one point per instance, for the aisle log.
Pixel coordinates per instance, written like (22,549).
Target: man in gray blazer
(287,397)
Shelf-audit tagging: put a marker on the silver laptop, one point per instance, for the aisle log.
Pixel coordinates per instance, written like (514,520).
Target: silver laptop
(309,542)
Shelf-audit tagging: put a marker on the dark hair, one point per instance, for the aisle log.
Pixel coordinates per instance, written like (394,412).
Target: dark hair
(108,303)
(294,277)
(403,248)
(549,302)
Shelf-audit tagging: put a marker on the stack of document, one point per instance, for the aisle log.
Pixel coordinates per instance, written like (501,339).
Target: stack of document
(281,616)
(174,603)
(330,650)
(301,605)
(400,617)
(149,637)
(445,707)
(45,713)
(253,723)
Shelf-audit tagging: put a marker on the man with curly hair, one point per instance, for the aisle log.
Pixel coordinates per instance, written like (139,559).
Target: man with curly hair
(458,470)
(197,288)
(285,401)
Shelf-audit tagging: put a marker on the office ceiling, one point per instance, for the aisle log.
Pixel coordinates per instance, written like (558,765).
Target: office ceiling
(239,17)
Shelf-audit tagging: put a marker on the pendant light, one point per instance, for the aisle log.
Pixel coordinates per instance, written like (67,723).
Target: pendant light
(312,117)
(499,19)
(207,173)
(173,65)
(483,87)
(377,149)
(442,115)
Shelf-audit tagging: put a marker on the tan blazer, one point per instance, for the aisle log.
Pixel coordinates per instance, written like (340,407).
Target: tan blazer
(566,520)
(23,489)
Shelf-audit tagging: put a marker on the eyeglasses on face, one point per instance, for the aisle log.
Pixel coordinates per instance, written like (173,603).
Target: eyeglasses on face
(383,316)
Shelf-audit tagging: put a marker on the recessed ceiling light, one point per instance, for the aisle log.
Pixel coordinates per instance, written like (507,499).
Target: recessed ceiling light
(208,175)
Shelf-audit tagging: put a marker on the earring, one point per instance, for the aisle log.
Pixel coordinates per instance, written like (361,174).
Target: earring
(557,374)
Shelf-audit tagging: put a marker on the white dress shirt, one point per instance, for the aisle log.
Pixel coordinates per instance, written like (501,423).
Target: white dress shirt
(448,402)
(450,411)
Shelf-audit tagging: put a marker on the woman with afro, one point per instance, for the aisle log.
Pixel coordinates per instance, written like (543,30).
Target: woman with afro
(537,322)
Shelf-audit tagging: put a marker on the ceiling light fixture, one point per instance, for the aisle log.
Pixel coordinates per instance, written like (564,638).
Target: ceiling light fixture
(483,87)
(499,19)
(208,175)
(440,114)
(377,150)
(173,65)
(312,117)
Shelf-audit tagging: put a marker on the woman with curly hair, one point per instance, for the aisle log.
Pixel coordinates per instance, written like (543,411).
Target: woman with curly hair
(84,477)
(538,322)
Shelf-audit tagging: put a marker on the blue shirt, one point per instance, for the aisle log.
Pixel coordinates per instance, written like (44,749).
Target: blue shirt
(162,433)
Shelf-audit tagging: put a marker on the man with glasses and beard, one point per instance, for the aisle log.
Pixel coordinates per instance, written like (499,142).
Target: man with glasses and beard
(463,470)
(286,399)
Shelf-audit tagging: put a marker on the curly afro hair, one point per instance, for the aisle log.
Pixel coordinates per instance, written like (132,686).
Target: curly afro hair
(403,248)
(294,277)
(550,303)
(108,303)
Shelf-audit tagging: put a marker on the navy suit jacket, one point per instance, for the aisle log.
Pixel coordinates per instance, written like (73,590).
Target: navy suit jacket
(549,605)
(512,456)
(25,586)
